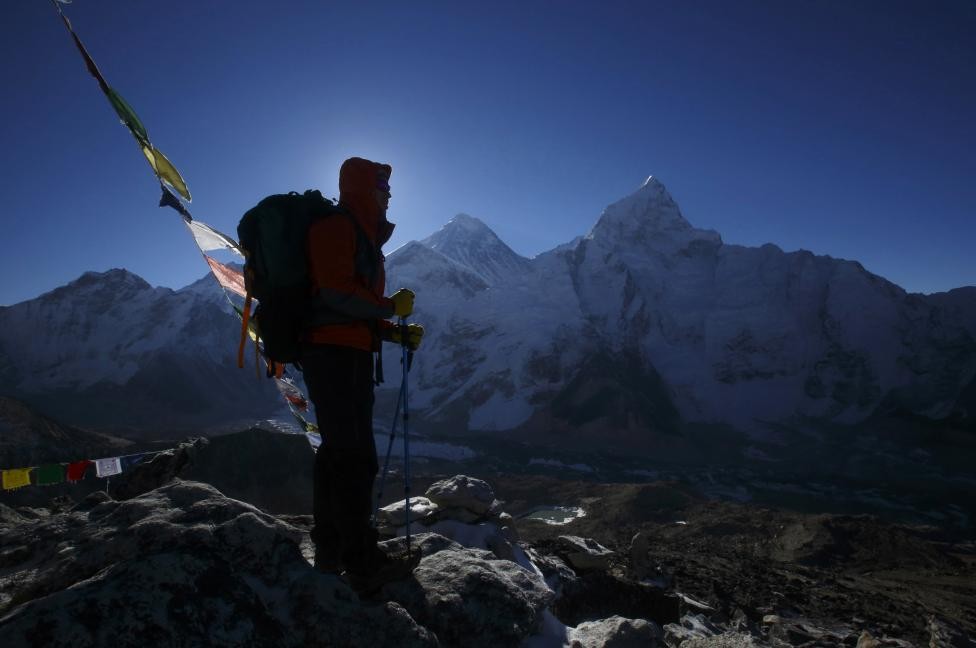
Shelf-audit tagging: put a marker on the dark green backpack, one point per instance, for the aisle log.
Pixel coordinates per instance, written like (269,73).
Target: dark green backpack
(273,235)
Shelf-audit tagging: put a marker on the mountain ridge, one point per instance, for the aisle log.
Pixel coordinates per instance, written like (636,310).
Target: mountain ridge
(735,335)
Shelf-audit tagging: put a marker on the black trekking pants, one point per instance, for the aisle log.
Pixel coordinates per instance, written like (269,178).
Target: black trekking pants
(340,384)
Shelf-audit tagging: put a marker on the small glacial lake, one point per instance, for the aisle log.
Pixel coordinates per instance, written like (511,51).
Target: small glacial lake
(556,514)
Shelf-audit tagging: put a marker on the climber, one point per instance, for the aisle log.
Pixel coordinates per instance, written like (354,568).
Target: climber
(350,319)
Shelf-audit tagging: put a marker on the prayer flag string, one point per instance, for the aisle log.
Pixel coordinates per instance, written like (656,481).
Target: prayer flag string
(230,280)
(71,472)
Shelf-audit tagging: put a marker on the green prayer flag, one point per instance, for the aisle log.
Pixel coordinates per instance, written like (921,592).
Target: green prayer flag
(128,116)
(304,424)
(50,474)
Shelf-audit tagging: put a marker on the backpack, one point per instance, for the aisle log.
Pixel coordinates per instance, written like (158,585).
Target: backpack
(273,235)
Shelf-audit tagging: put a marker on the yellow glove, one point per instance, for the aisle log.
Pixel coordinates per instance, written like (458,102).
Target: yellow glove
(415,333)
(402,302)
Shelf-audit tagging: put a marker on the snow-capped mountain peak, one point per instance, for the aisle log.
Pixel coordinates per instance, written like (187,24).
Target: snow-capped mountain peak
(101,288)
(114,279)
(650,213)
(461,231)
(472,244)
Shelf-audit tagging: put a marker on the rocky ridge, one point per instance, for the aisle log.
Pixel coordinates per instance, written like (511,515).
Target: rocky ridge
(179,563)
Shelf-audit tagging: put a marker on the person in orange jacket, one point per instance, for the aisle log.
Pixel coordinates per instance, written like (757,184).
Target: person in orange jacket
(349,320)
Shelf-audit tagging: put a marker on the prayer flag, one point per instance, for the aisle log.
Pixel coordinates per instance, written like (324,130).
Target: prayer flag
(169,200)
(16,478)
(208,238)
(305,424)
(89,63)
(77,469)
(108,467)
(227,276)
(292,394)
(50,474)
(251,329)
(164,169)
(128,116)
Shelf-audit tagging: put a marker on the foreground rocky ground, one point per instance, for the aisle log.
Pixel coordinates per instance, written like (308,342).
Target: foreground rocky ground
(798,578)
(170,561)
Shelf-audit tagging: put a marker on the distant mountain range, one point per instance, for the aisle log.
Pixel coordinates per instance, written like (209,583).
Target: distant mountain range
(647,322)
(618,338)
(109,351)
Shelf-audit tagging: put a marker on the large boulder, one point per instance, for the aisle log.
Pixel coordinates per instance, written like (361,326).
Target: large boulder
(462,492)
(389,518)
(180,565)
(616,632)
(469,597)
(584,554)
(690,627)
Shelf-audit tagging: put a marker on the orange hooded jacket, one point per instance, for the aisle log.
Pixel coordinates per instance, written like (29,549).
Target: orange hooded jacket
(346,263)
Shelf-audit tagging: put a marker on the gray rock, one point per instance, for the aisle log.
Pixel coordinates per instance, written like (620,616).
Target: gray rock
(943,633)
(724,640)
(509,530)
(181,565)
(557,573)
(33,513)
(616,632)
(639,555)
(499,545)
(463,491)
(801,630)
(158,470)
(426,543)
(484,535)
(691,626)
(469,597)
(9,515)
(393,515)
(867,640)
(583,553)
(460,514)
(601,594)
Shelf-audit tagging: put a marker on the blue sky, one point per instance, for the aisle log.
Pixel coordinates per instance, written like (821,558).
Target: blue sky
(845,128)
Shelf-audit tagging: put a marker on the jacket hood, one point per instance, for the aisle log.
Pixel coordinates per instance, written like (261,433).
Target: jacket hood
(357,186)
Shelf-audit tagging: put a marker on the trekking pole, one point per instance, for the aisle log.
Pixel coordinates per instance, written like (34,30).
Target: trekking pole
(406,429)
(389,450)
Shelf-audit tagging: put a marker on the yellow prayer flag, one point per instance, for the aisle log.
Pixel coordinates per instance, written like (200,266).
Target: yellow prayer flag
(165,170)
(16,478)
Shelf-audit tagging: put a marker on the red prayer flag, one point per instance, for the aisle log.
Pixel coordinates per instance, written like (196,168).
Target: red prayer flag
(76,470)
(227,276)
(89,62)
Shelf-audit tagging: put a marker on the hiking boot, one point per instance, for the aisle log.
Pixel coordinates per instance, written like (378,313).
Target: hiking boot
(380,571)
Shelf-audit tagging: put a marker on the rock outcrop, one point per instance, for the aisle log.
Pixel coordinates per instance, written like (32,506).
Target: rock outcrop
(180,565)
(183,564)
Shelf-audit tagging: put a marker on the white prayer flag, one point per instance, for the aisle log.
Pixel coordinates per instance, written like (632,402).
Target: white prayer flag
(108,467)
(210,239)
